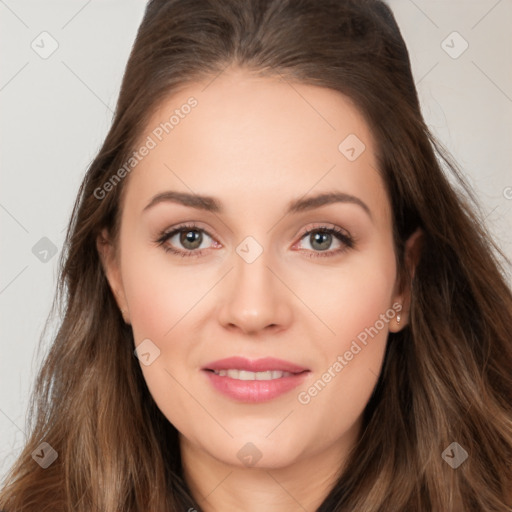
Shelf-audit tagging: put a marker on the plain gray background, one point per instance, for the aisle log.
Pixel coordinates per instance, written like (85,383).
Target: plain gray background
(57,108)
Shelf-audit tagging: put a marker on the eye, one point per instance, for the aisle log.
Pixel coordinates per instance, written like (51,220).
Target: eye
(189,237)
(321,238)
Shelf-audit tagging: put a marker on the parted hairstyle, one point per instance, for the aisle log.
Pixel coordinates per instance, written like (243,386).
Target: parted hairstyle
(446,376)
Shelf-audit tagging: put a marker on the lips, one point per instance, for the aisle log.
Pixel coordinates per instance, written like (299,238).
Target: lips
(252,381)
(258,365)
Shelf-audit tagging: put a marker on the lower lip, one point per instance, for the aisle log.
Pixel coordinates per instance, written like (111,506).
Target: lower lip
(254,391)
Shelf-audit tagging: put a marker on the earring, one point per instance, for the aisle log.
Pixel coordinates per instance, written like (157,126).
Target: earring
(398,318)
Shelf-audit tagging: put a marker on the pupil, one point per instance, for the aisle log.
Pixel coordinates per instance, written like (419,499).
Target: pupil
(191,239)
(323,239)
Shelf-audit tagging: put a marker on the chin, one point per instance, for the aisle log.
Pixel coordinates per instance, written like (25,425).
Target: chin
(258,452)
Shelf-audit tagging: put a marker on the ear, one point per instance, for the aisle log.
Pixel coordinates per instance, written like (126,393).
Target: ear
(403,296)
(111,267)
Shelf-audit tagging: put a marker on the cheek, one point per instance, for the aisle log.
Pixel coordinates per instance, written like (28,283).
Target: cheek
(352,297)
(159,293)
(160,296)
(358,309)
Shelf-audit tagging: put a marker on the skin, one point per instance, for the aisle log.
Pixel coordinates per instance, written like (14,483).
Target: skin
(255,144)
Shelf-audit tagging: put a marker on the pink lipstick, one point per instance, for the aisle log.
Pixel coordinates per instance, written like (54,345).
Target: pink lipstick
(254,381)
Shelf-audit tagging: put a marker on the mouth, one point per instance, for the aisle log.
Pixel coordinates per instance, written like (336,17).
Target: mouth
(253,381)
(247,375)
(258,366)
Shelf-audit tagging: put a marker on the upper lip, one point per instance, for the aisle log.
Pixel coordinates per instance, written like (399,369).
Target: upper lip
(254,365)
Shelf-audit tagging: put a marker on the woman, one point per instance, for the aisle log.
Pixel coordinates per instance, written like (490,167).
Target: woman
(274,299)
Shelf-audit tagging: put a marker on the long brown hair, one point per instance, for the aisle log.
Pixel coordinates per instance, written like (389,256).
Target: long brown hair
(446,376)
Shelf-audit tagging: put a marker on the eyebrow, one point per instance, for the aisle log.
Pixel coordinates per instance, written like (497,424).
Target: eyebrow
(211,204)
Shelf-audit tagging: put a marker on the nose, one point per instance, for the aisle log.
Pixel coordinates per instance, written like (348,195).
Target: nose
(255,299)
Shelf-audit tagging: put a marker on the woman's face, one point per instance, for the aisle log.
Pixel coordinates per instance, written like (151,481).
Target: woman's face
(247,279)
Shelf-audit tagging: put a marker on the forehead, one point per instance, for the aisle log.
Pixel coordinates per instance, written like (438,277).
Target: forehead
(248,136)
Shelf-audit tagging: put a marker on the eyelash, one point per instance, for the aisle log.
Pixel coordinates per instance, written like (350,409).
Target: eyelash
(347,241)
